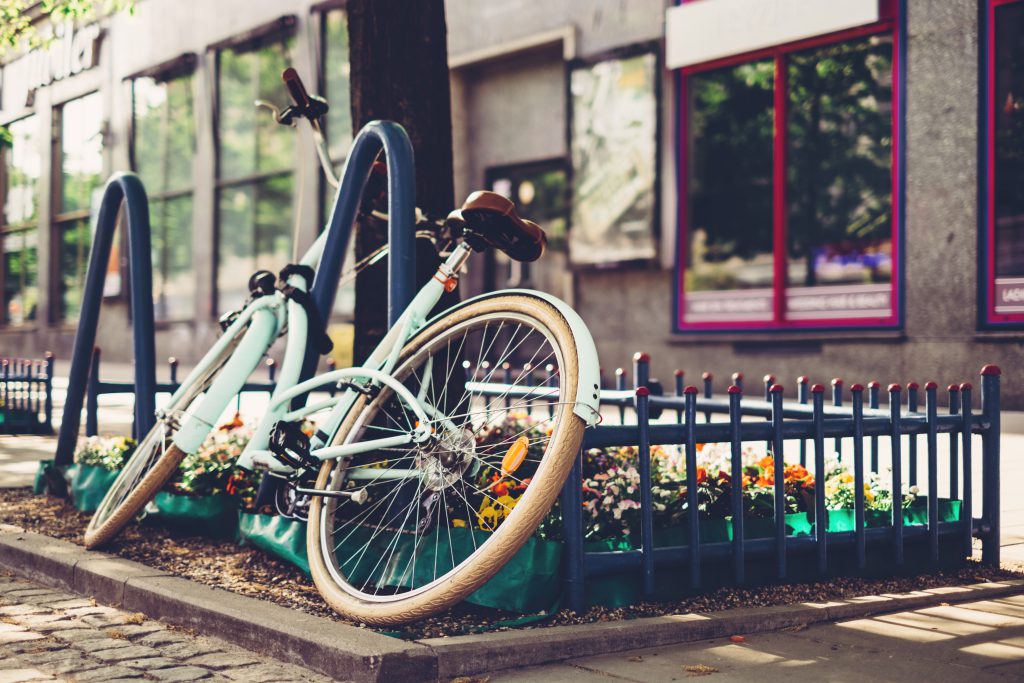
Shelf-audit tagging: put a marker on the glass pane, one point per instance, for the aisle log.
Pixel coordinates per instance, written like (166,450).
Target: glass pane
(173,276)
(82,151)
(23,164)
(75,240)
(164,133)
(839,183)
(21,273)
(614,142)
(1009,159)
(729,264)
(540,192)
(249,139)
(255,228)
(336,73)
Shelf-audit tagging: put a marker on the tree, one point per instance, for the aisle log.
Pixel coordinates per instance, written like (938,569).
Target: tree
(17,16)
(399,65)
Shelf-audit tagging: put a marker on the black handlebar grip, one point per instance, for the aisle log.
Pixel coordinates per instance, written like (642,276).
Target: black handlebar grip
(295,88)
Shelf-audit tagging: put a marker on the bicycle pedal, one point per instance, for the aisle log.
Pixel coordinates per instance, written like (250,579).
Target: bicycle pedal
(291,445)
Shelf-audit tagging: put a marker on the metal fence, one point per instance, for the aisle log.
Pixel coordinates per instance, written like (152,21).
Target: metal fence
(26,395)
(693,416)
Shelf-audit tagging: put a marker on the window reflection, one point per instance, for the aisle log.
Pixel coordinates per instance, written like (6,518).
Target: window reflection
(81,125)
(255,160)
(82,151)
(19,269)
(729,267)
(164,145)
(839,179)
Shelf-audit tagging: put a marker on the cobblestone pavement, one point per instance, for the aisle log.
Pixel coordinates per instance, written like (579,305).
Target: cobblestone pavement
(46,634)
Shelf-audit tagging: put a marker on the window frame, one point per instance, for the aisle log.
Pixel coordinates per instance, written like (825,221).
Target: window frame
(7,229)
(988,318)
(891,22)
(281,30)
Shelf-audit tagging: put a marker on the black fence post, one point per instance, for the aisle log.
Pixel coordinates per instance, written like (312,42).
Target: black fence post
(780,476)
(820,514)
(990,375)
(897,472)
(736,443)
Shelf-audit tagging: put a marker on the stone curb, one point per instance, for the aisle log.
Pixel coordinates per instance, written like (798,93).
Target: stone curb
(480,653)
(338,650)
(344,651)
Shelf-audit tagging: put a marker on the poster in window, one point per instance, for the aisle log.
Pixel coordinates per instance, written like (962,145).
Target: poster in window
(614,158)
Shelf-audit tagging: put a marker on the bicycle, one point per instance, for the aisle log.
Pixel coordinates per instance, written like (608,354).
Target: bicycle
(416,440)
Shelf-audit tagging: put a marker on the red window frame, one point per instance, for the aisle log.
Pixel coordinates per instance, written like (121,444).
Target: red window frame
(989,316)
(890,13)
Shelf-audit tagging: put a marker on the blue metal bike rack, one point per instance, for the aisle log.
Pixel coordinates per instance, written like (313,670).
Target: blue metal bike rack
(126,188)
(374,137)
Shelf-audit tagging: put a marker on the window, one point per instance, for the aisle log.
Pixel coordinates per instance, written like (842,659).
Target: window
(338,130)
(540,191)
(789,163)
(19,223)
(1004,152)
(255,160)
(163,146)
(81,173)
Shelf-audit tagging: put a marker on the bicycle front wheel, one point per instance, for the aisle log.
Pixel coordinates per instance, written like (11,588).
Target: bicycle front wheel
(156,458)
(424,525)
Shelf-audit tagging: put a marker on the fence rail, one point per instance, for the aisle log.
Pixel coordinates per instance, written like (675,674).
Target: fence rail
(855,414)
(26,395)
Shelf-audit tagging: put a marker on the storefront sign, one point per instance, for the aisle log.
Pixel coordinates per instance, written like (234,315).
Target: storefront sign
(1010,295)
(705,30)
(65,52)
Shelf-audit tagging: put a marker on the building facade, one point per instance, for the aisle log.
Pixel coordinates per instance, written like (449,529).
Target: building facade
(771,186)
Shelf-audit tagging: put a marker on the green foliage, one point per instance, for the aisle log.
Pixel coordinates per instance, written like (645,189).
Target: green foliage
(16,23)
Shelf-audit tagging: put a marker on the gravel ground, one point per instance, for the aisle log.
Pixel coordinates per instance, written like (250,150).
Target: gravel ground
(252,572)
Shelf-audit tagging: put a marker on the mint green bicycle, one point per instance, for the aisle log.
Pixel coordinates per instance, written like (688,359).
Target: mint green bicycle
(431,464)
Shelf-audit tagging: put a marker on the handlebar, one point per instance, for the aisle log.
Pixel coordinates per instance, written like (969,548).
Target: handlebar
(309,107)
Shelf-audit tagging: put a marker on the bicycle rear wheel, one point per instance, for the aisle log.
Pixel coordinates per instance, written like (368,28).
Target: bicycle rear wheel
(156,458)
(441,518)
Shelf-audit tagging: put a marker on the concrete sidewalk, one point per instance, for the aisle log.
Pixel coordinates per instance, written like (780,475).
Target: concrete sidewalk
(977,641)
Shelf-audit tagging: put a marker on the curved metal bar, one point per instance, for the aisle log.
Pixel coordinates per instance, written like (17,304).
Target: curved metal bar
(374,137)
(128,189)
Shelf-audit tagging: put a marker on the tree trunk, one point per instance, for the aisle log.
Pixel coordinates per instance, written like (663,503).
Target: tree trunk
(399,71)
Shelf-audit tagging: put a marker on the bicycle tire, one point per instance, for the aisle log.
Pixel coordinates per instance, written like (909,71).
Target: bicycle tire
(119,507)
(496,549)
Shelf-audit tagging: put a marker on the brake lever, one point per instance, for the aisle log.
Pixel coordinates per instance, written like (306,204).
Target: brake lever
(285,118)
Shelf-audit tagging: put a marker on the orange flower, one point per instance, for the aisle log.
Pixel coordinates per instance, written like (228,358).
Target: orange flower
(700,447)
(796,473)
(767,478)
(702,475)
(766,462)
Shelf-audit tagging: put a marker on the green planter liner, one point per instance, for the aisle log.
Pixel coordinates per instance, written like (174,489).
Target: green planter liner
(277,535)
(529,582)
(215,515)
(917,513)
(88,484)
(39,483)
(797,524)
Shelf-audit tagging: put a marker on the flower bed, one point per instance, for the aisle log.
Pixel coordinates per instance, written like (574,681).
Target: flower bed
(210,494)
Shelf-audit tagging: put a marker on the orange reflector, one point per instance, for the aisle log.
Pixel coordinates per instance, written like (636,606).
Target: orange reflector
(515,456)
